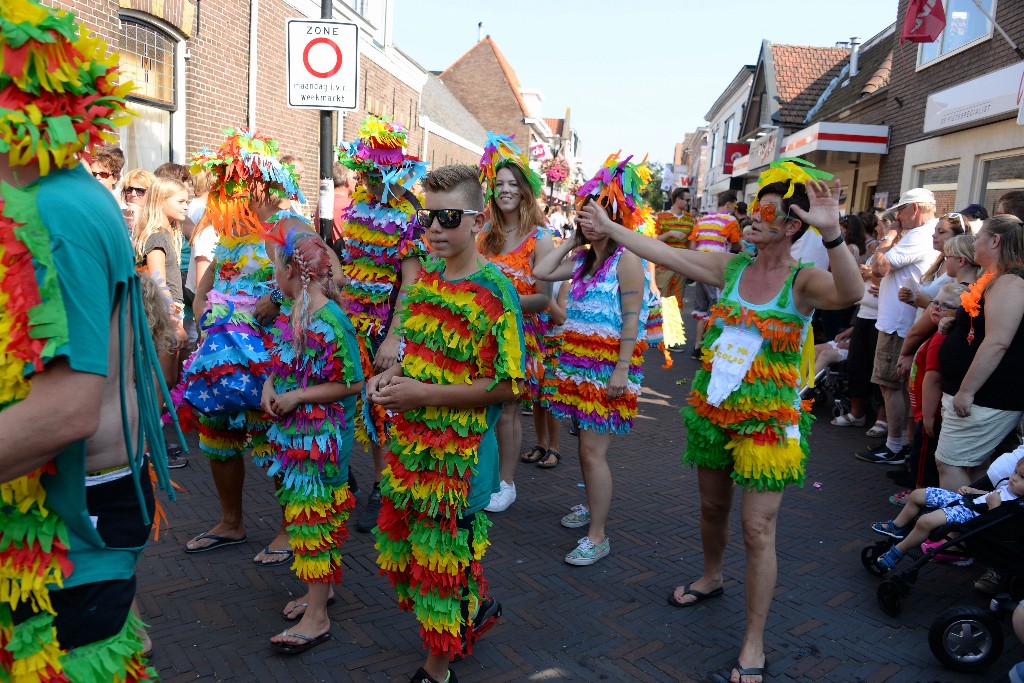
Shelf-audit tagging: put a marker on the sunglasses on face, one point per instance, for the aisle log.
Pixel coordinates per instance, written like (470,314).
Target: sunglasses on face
(129,191)
(768,212)
(939,306)
(448,218)
(101,174)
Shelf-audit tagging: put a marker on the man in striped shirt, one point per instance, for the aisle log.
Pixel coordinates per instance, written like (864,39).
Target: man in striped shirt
(713,232)
(673,228)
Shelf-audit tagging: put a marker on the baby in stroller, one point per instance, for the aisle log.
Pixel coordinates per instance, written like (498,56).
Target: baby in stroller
(1006,474)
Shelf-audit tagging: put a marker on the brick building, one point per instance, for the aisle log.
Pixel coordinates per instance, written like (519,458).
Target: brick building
(952,106)
(200,67)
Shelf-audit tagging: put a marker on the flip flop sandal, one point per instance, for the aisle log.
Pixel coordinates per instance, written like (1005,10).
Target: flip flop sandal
(536,454)
(546,462)
(699,597)
(287,556)
(303,605)
(292,649)
(724,674)
(218,542)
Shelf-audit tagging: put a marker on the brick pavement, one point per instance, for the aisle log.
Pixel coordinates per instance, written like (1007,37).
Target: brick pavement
(211,614)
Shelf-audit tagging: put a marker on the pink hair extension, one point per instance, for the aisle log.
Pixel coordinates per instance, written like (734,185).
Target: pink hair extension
(311,257)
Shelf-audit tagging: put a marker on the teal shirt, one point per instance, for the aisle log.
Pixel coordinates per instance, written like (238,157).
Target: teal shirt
(94,262)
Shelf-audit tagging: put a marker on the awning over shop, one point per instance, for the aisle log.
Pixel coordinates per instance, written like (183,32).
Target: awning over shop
(825,137)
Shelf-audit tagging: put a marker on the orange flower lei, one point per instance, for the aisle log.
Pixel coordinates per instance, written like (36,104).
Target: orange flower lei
(971,299)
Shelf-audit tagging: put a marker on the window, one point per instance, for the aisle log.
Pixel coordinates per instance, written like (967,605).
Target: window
(941,180)
(728,130)
(714,148)
(999,176)
(965,25)
(148,58)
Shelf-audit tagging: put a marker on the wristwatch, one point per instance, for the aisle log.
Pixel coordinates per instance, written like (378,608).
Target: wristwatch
(277,296)
(832,244)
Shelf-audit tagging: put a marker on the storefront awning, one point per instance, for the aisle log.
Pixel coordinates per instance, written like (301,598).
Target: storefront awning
(823,137)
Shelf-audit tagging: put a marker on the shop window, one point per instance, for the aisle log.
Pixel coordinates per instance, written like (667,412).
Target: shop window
(999,176)
(941,180)
(965,25)
(148,60)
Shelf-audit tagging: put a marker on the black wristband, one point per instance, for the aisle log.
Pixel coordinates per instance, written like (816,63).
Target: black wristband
(834,243)
(277,296)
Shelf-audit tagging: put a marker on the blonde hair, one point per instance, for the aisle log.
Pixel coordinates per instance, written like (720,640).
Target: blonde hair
(152,219)
(158,313)
(962,246)
(953,290)
(137,177)
(1011,241)
(202,181)
(530,215)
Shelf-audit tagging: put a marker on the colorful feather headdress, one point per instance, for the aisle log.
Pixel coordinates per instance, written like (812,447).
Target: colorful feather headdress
(500,152)
(792,170)
(379,150)
(616,186)
(59,91)
(244,156)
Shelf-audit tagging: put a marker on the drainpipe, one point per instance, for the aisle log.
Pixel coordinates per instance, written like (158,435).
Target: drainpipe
(254,19)
(854,55)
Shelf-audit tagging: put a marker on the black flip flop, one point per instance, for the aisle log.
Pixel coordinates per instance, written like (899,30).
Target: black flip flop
(288,555)
(330,601)
(218,542)
(291,649)
(724,674)
(532,455)
(550,465)
(699,597)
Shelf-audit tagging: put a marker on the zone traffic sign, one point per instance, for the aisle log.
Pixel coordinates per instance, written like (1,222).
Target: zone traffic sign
(323,64)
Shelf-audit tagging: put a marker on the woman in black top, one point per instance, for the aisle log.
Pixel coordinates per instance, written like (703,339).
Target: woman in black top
(982,358)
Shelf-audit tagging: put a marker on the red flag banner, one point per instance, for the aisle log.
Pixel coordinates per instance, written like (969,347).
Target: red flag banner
(733,151)
(924,22)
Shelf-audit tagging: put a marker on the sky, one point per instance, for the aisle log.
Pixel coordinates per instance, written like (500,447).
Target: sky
(635,80)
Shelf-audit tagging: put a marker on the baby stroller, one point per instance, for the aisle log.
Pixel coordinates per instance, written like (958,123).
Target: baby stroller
(964,638)
(831,389)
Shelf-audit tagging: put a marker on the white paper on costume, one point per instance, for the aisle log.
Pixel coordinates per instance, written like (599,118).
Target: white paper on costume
(735,351)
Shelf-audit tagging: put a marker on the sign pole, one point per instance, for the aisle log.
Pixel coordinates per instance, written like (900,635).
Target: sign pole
(326,203)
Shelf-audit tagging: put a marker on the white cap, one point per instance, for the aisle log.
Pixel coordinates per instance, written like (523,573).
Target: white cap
(918,195)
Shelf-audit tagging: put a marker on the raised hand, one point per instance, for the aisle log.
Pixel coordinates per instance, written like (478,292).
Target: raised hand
(824,212)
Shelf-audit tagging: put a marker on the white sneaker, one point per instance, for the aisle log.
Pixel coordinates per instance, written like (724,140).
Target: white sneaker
(501,500)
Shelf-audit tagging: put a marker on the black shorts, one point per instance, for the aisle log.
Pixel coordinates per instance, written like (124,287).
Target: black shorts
(96,611)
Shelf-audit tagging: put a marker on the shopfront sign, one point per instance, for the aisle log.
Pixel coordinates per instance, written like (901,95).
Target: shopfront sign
(733,151)
(323,64)
(994,94)
(765,149)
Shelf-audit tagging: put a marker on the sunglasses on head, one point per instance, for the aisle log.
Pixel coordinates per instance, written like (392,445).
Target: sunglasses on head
(448,218)
(141,191)
(102,174)
(958,216)
(768,212)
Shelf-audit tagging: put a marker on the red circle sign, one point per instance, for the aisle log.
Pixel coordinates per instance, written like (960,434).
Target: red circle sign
(337,55)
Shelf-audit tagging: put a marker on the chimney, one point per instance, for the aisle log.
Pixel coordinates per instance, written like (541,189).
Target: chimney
(854,55)
(479,31)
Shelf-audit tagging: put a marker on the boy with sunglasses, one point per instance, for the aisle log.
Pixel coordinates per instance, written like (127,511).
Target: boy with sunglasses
(461,332)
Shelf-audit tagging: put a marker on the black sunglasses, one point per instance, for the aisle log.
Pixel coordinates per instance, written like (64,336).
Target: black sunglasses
(141,191)
(448,218)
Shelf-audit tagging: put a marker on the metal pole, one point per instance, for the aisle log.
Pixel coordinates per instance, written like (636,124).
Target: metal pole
(326,203)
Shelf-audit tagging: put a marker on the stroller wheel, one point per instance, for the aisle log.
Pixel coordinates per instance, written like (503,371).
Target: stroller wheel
(890,598)
(966,638)
(872,553)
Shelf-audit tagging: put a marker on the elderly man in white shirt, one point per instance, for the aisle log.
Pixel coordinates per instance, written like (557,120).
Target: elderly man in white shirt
(899,264)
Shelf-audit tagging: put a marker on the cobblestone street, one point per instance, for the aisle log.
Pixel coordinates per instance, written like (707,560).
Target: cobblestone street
(212,614)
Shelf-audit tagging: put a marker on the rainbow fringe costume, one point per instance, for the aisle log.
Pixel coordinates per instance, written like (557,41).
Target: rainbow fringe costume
(310,446)
(454,332)
(760,430)
(590,350)
(516,266)
(59,96)
(244,274)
